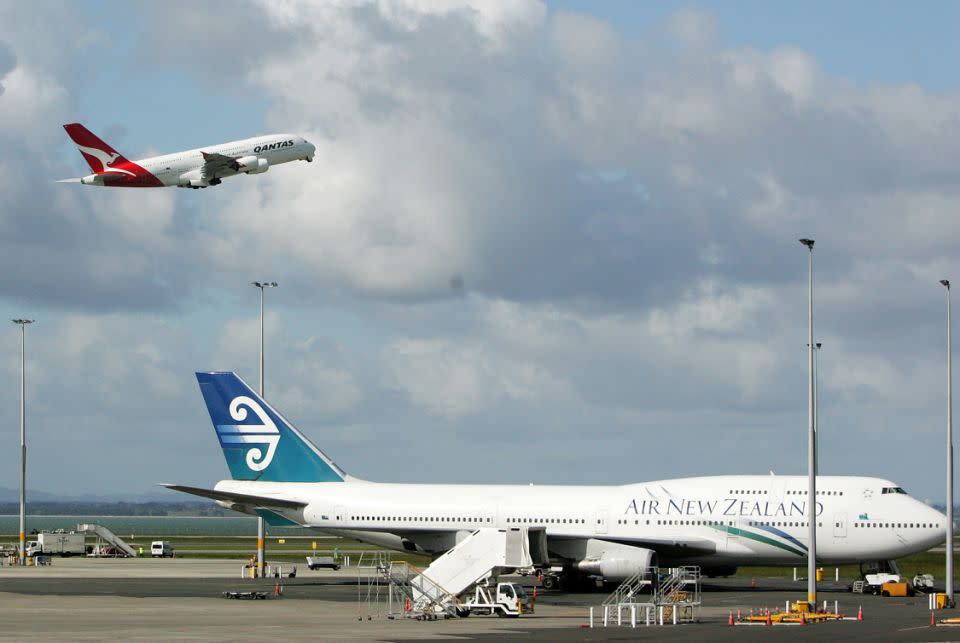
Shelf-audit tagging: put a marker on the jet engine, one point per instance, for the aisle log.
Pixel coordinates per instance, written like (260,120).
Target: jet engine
(616,563)
(252,165)
(191,179)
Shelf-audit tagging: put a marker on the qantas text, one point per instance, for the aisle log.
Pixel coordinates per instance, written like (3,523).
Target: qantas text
(272,146)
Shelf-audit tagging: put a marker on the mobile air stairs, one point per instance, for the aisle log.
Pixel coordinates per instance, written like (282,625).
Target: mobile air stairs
(104,535)
(433,592)
(656,596)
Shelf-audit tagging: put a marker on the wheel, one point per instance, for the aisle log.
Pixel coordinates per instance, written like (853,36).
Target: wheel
(550,582)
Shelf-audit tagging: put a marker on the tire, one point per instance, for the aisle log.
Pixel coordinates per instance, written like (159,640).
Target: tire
(550,582)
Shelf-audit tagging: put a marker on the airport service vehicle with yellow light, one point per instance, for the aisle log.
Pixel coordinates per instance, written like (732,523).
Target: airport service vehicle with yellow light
(606,533)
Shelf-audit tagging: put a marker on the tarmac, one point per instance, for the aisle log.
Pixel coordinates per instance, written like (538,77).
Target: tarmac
(82,599)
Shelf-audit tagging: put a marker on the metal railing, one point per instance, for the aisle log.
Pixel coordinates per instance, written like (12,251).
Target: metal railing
(630,590)
(673,596)
(416,593)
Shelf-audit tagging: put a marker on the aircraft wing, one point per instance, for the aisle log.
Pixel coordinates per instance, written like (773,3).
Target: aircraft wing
(673,546)
(239,498)
(214,164)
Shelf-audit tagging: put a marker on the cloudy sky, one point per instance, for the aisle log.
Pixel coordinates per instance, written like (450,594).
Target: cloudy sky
(540,242)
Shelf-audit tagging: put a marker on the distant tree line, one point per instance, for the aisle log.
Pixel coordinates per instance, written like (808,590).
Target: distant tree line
(115,509)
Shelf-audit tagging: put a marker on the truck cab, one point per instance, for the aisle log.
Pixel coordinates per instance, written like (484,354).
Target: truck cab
(507,599)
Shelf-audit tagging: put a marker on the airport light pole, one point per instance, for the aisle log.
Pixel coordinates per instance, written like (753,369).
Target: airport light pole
(946,284)
(816,401)
(23,437)
(811,447)
(261,529)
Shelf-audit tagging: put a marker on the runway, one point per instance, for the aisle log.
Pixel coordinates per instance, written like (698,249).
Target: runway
(146,599)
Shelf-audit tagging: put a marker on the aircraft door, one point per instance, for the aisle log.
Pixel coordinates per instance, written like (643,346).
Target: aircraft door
(840,525)
(599,522)
(340,515)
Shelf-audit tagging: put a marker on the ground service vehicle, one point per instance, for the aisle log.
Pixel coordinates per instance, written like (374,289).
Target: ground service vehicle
(63,543)
(322,562)
(161,549)
(507,599)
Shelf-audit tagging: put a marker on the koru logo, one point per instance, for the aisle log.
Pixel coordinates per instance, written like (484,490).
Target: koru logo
(265,433)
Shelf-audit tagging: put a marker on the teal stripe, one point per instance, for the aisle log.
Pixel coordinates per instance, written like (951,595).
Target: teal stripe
(736,531)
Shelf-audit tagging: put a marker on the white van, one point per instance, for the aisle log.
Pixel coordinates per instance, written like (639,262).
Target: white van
(161,549)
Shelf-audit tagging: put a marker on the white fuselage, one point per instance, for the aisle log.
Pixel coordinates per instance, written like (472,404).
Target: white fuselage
(721,520)
(171,169)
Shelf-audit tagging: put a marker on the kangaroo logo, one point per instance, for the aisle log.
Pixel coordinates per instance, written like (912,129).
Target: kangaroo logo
(240,434)
(105,159)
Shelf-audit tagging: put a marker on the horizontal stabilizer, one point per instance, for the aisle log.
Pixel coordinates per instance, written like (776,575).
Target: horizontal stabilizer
(239,498)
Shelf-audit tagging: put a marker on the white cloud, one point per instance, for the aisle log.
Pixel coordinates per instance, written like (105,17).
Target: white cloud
(549,230)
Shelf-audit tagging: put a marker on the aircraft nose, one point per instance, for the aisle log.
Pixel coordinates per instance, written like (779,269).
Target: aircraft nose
(934,517)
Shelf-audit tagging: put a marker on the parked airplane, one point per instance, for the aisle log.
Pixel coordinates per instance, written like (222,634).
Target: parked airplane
(605,532)
(188,169)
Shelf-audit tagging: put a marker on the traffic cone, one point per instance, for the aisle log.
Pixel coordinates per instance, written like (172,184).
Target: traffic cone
(738,614)
(933,619)
(803,618)
(276,590)
(860,613)
(769,620)
(730,618)
(753,583)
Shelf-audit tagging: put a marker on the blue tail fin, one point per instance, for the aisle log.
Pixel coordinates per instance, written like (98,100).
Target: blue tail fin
(246,426)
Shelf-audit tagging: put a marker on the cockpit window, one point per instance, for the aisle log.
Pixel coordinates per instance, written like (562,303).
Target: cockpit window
(894,490)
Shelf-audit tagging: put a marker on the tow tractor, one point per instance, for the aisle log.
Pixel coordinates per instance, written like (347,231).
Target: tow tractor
(506,599)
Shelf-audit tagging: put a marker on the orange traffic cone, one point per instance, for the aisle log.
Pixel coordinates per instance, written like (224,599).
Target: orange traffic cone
(276,590)
(803,618)
(753,583)
(738,614)
(933,619)
(860,613)
(769,620)
(730,618)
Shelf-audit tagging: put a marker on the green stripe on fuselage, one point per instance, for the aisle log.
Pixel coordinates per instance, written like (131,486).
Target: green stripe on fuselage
(736,531)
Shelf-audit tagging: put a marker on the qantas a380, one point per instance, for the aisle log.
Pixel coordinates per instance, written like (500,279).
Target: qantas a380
(195,169)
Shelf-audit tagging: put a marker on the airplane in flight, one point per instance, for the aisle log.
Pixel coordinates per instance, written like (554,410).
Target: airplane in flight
(195,169)
(603,533)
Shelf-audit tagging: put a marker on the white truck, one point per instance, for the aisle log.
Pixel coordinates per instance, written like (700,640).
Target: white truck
(506,599)
(322,562)
(64,543)
(161,549)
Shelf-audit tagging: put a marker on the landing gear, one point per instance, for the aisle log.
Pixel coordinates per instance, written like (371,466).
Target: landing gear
(308,159)
(215,181)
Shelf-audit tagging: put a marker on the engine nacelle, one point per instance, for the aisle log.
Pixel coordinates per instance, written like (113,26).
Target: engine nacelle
(252,165)
(618,562)
(191,179)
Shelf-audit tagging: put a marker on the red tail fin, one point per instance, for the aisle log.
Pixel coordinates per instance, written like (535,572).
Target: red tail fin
(98,154)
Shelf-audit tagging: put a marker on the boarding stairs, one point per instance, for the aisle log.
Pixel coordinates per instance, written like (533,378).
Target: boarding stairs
(482,554)
(107,536)
(672,595)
